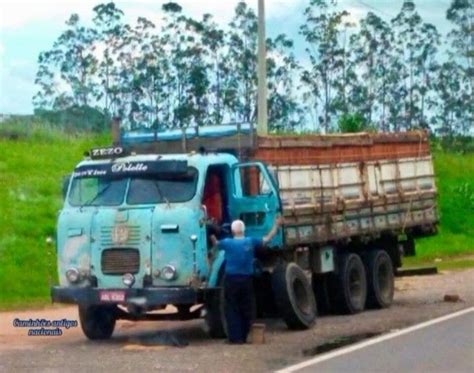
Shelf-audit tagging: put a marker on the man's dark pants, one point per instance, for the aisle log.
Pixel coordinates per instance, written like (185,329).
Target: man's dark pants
(239,306)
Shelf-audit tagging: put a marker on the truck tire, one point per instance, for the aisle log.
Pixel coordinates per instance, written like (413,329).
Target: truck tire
(348,288)
(215,315)
(380,279)
(97,322)
(294,297)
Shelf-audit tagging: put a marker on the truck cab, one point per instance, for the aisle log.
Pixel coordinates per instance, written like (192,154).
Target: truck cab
(133,235)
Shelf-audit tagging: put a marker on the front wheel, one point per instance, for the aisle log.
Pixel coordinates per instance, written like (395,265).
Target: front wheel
(97,322)
(294,296)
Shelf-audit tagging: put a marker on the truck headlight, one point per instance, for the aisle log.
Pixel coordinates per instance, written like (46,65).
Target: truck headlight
(73,275)
(168,272)
(128,279)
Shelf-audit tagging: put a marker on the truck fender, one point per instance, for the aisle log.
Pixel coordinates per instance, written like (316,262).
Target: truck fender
(216,266)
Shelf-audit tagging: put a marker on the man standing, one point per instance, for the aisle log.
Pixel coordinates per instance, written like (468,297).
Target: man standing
(238,285)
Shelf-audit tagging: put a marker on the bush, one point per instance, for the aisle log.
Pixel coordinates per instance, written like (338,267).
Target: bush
(456,144)
(352,123)
(76,118)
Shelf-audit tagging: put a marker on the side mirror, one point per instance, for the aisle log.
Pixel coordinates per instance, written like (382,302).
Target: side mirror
(66,180)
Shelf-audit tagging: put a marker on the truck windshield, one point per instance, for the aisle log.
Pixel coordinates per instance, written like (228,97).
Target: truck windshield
(96,191)
(162,188)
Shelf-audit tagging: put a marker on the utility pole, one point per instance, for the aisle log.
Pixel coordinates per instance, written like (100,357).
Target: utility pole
(262,122)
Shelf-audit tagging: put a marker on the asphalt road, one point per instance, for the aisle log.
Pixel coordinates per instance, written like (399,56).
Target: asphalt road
(442,345)
(186,347)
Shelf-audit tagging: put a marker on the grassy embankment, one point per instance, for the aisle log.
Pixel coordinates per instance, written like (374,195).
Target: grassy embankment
(32,164)
(455,182)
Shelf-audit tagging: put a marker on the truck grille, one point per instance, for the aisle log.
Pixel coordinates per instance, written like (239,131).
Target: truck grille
(120,261)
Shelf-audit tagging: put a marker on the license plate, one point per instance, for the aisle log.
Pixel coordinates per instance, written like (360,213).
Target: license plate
(112,296)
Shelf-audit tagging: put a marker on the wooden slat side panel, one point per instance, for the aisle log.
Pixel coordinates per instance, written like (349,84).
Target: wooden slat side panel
(327,202)
(343,185)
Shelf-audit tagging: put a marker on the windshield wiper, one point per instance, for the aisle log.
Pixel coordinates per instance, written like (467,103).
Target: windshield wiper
(99,194)
(160,193)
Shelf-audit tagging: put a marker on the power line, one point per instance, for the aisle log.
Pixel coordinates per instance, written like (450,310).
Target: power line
(374,8)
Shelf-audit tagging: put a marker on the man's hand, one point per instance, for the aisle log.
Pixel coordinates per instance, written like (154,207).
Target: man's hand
(214,240)
(279,221)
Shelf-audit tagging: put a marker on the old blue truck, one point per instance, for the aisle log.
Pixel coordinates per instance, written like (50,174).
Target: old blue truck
(133,234)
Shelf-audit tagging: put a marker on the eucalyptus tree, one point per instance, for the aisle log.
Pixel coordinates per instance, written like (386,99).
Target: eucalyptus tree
(70,66)
(152,74)
(47,80)
(416,44)
(451,109)
(188,79)
(108,21)
(200,70)
(342,85)
(407,27)
(284,110)
(428,66)
(241,95)
(182,72)
(371,59)
(144,77)
(213,40)
(326,77)
(461,38)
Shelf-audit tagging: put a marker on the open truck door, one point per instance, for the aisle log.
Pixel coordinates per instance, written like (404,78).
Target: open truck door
(255,200)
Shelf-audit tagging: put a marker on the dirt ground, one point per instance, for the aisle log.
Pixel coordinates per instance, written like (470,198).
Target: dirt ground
(185,346)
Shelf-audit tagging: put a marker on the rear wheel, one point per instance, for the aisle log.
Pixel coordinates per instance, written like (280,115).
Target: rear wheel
(380,279)
(294,297)
(97,322)
(348,288)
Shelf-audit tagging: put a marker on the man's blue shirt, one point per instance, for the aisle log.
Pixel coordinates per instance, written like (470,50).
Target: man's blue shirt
(239,254)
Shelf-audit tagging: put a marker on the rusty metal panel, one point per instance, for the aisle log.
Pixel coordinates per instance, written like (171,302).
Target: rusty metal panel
(325,149)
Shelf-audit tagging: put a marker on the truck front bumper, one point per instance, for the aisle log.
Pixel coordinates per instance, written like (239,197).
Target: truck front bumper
(145,297)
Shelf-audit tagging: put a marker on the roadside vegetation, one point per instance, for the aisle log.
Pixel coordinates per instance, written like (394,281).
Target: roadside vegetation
(455,183)
(35,156)
(33,160)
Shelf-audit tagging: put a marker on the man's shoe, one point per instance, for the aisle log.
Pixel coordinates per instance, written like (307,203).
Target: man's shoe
(238,342)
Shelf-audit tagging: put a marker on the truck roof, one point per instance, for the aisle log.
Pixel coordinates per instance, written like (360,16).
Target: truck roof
(195,159)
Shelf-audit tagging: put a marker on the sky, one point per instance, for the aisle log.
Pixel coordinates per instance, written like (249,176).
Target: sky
(29,27)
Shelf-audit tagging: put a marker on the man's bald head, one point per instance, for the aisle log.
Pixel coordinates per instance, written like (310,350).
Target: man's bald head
(238,228)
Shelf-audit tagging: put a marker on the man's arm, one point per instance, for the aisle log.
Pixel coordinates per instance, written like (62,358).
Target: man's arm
(273,231)
(214,240)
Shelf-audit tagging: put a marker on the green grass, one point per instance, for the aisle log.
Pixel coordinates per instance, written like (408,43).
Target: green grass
(455,182)
(443,264)
(34,159)
(31,169)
